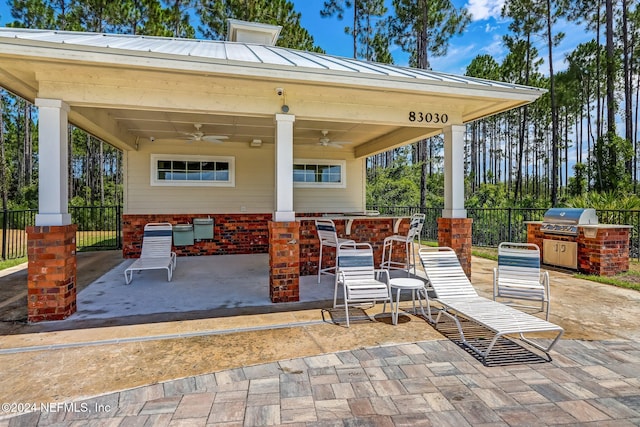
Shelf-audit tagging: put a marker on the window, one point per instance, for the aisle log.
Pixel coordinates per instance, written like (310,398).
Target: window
(319,173)
(177,170)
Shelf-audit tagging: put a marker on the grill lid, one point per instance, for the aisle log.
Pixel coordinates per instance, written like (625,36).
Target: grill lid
(571,216)
(567,220)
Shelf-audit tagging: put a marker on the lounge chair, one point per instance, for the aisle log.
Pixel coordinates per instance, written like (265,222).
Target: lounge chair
(156,251)
(518,277)
(356,273)
(458,297)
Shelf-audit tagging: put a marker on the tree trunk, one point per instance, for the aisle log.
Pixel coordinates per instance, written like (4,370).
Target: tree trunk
(554,113)
(611,112)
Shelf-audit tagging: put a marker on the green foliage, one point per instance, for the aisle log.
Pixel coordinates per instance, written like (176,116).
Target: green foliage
(578,184)
(25,198)
(607,200)
(394,186)
(611,153)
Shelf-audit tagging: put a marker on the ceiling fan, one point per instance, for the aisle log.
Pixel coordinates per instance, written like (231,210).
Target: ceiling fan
(198,135)
(325,141)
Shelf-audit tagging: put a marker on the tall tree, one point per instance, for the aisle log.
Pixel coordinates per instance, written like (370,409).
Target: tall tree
(424,27)
(367,28)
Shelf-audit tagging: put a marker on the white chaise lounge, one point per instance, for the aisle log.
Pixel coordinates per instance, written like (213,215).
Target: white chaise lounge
(156,251)
(457,296)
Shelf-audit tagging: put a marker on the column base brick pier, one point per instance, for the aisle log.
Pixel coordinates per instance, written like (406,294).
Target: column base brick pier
(456,234)
(51,281)
(284,261)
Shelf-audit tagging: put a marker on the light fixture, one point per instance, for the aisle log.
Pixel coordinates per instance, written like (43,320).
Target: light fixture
(256,143)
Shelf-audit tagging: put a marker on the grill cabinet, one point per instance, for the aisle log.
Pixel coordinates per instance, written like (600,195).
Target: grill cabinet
(563,252)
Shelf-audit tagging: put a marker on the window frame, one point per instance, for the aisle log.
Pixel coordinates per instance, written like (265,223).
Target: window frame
(321,162)
(155,182)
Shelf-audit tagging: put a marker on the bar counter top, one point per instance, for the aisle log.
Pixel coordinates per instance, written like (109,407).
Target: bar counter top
(351,217)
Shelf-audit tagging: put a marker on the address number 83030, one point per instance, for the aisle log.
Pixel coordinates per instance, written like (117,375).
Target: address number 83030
(420,117)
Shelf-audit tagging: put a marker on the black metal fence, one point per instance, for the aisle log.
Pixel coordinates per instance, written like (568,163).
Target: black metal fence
(492,226)
(99,228)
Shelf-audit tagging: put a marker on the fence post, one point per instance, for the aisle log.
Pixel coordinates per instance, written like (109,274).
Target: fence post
(4,234)
(118,227)
(509,232)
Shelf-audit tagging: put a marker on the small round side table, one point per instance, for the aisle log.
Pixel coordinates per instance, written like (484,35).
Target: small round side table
(409,284)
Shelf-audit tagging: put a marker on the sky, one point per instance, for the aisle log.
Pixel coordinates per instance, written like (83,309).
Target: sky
(482,36)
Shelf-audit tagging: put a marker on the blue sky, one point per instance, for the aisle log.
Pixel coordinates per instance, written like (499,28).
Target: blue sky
(483,35)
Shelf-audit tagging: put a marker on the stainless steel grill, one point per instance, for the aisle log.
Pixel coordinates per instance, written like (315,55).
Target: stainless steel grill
(566,220)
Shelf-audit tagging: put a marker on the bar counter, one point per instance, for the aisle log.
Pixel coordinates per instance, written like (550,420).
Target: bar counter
(362,228)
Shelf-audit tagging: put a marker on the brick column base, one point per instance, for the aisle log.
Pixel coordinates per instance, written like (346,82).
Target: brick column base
(284,261)
(456,234)
(51,281)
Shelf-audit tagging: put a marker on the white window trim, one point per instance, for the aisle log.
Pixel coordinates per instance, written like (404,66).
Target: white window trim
(343,173)
(155,182)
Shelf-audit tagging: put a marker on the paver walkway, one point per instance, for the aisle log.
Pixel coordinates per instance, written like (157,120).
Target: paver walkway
(430,383)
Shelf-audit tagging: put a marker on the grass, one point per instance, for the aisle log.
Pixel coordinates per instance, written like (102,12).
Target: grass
(629,280)
(85,241)
(12,262)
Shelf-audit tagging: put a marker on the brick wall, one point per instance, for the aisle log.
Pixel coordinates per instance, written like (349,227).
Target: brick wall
(456,233)
(368,229)
(51,275)
(232,233)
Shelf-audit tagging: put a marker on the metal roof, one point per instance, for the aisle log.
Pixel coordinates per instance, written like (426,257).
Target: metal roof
(253,54)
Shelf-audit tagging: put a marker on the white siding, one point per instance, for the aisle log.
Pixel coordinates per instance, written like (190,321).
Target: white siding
(254,189)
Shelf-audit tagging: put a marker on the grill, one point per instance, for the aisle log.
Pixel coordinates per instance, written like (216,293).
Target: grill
(566,220)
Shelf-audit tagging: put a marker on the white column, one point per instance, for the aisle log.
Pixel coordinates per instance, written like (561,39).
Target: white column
(53,193)
(454,172)
(284,168)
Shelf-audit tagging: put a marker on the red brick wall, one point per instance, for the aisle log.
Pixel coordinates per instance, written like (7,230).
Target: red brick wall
(51,275)
(232,233)
(368,229)
(606,254)
(456,233)
(284,261)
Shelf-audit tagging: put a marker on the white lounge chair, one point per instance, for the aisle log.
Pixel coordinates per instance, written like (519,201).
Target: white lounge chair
(156,251)
(518,277)
(458,298)
(360,280)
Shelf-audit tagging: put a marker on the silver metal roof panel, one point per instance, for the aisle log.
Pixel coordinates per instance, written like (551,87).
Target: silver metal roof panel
(242,52)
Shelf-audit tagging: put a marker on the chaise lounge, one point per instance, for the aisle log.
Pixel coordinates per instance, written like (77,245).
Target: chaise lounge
(156,251)
(458,297)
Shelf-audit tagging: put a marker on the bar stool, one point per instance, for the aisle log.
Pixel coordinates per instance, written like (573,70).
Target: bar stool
(415,228)
(326,230)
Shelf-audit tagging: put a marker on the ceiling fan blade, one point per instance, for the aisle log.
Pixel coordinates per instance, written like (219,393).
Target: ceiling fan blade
(218,139)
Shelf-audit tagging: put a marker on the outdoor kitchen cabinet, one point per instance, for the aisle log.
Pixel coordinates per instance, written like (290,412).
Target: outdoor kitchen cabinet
(560,253)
